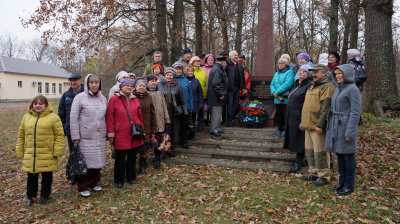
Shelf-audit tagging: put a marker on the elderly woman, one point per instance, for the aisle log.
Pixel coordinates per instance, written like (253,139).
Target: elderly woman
(303,59)
(161,111)
(89,131)
(342,128)
(158,71)
(295,138)
(201,75)
(149,118)
(176,104)
(356,62)
(120,76)
(40,143)
(333,60)
(247,80)
(119,132)
(180,77)
(197,93)
(282,82)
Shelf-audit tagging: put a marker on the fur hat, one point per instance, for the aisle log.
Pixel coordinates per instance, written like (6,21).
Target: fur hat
(170,70)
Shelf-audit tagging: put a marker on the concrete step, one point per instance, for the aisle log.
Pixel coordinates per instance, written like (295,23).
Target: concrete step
(238,145)
(276,167)
(242,130)
(251,156)
(242,137)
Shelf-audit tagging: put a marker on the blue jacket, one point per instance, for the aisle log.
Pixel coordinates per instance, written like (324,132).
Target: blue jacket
(282,81)
(197,92)
(64,108)
(296,76)
(187,89)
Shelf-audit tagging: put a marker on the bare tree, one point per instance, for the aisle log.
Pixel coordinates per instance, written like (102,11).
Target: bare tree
(11,46)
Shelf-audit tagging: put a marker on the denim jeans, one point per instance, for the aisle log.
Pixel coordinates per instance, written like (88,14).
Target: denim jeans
(233,98)
(347,169)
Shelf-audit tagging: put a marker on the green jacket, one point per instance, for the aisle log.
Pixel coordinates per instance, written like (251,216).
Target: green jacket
(317,105)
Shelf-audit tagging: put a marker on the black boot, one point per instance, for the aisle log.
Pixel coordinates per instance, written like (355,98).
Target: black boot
(298,164)
(142,167)
(163,156)
(157,161)
(171,154)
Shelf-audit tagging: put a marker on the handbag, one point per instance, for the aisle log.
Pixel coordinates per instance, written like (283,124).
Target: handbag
(178,109)
(153,144)
(361,76)
(190,124)
(76,165)
(206,107)
(137,129)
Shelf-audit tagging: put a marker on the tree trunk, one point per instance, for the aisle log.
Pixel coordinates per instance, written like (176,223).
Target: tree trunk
(239,25)
(198,27)
(333,26)
(380,67)
(354,9)
(161,9)
(176,34)
(285,30)
(346,32)
(223,20)
(301,22)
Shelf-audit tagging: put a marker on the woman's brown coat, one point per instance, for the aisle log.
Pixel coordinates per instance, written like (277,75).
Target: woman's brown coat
(148,113)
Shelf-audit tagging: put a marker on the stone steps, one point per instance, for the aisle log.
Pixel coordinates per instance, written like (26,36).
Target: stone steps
(241,137)
(238,145)
(241,130)
(276,167)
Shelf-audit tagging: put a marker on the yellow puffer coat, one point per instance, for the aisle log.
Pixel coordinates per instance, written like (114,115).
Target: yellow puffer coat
(40,141)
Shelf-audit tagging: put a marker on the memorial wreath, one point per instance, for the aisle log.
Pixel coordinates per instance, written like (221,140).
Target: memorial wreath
(253,113)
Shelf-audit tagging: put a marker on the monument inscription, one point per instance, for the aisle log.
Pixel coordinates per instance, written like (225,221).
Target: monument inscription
(260,90)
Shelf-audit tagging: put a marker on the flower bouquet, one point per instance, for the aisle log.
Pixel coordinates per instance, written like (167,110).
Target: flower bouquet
(253,113)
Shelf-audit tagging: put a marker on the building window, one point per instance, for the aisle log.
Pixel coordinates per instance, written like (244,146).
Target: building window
(39,87)
(53,88)
(60,88)
(19,84)
(46,88)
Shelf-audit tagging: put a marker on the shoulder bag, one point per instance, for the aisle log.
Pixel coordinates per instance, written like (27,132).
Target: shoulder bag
(137,129)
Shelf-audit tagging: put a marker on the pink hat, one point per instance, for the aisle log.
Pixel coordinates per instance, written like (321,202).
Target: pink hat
(352,53)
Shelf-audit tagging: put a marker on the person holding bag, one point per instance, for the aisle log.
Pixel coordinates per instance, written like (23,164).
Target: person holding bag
(89,131)
(161,110)
(197,93)
(40,143)
(176,104)
(149,119)
(123,112)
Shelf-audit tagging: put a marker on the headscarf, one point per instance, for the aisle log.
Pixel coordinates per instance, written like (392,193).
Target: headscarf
(157,66)
(124,82)
(305,56)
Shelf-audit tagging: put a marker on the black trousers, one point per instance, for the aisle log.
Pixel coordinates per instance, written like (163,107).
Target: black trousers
(280,113)
(125,163)
(70,144)
(184,130)
(192,134)
(33,182)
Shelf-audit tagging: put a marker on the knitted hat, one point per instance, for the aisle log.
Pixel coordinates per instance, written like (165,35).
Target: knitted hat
(151,76)
(202,56)
(307,69)
(122,74)
(157,66)
(170,70)
(187,50)
(126,81)
(301,51)
(286,56)
(195,58)
(335,54)
(323,59)
(139,80)
(353,53)
(177,64)
(305,56)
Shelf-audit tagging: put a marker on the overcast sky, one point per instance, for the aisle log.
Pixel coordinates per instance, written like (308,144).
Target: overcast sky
(10,11)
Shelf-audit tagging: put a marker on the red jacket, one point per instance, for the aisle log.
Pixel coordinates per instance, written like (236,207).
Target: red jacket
(118,124)
(248,82)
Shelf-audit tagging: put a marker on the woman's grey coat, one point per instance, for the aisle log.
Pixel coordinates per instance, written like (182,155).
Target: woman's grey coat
(88,125)
(344,114)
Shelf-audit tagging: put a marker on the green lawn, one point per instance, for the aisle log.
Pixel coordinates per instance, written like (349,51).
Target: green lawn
(201,194)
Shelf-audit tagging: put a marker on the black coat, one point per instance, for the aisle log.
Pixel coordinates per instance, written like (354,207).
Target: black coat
(230,72)
(217,86)
(294,137)
(64,108)
(197,93)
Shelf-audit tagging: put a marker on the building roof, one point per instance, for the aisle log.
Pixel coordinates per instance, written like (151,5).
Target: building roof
(22,66)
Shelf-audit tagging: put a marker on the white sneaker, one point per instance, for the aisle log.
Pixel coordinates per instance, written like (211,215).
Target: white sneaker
(85,194)
(97,188)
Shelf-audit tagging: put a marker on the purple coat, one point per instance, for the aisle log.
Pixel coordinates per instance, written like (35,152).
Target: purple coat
(88,124)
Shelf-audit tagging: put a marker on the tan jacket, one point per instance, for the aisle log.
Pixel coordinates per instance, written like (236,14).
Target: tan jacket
(161,109)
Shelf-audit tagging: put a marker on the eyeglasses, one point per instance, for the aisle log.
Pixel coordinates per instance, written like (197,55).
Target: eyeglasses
(281,64)
(129,86)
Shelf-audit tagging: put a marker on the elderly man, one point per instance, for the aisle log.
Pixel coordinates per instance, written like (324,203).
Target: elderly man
(217,94)
(132,76)
(185,59)
(224,54)
(236,82)
(157,56)
(293,66)
(120,76)
(317,103)
(64,109)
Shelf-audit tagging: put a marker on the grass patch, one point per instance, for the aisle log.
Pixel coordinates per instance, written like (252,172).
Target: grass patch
(207,194)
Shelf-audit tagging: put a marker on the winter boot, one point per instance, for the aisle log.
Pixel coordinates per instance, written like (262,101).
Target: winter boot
(157,160)
(142,167)
(298,164)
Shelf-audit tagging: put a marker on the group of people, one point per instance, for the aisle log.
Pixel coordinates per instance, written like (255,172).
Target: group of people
(319,109)
(161,102)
